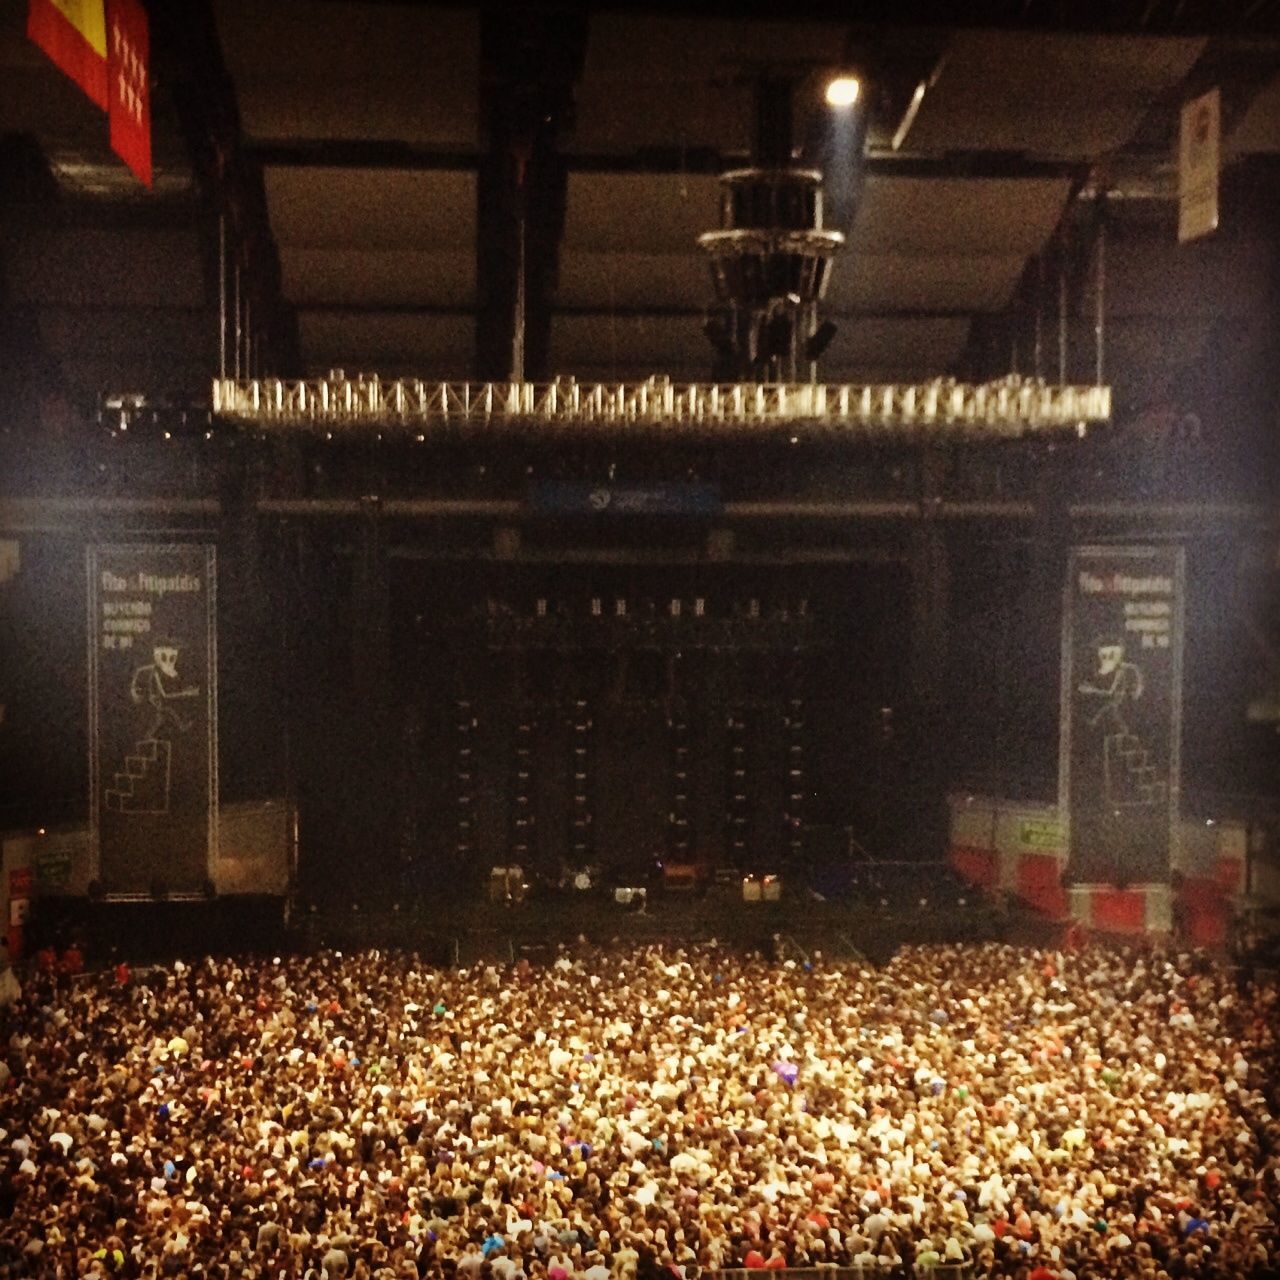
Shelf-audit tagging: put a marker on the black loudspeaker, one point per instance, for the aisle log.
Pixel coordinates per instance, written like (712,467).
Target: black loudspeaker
(819,340)
(777,336)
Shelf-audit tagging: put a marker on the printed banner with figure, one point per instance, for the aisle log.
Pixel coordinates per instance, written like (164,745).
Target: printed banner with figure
(1121,712)
(152,719)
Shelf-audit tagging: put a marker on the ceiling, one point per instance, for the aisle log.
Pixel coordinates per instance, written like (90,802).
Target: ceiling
(371,192)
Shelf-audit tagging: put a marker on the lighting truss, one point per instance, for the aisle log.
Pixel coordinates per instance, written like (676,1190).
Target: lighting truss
(355,407)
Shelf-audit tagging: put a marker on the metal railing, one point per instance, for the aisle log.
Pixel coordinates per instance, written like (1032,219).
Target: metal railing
(1008,408)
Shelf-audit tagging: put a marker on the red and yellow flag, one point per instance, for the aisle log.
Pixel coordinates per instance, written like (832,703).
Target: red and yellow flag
(129,53)
(74,34)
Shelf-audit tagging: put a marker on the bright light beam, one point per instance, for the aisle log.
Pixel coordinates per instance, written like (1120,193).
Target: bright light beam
(842,91)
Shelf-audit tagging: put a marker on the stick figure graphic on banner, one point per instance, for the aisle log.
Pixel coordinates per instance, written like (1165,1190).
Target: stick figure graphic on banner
(155,684)
(142,786)
(1128,776)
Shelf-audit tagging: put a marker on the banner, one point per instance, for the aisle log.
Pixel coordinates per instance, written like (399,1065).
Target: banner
(1121,712)
(1199,166)
(129,111)
(152,719)
(575,498)
(74,34)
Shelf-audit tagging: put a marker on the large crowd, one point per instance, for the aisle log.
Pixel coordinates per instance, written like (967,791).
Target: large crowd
(651,1112)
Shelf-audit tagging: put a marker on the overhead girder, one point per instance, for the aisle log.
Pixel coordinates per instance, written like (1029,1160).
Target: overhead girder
(187,58)
(530,62)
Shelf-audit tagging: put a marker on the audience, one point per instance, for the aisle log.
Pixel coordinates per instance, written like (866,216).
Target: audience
(639,1114)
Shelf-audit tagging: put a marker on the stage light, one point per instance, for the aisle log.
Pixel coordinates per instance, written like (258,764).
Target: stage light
(842,91)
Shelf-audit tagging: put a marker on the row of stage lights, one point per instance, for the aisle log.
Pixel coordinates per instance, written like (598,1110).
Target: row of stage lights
(675,607)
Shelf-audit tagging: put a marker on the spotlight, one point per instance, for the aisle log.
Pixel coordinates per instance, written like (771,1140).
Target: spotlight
(842,91)
(819,340)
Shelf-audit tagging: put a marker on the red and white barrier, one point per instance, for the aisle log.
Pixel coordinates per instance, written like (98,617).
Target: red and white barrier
(1020,848)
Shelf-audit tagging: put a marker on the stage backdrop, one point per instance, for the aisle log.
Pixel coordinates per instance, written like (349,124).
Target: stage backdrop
(1121,712)
(152,719)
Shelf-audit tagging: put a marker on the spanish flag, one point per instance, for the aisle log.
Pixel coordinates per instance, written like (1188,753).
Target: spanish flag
(74,34)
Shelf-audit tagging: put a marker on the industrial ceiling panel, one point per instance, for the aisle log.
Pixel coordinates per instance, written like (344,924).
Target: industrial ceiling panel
(608,280)
(627,116)
(956,217)
(654,344)
(1060,95)
(626,46)
(927,347)
(1259,127)
(328,208)
(368,277)
(385,71)
(664,82)
(364,342)
(641,212)
(891,281)
(90,268)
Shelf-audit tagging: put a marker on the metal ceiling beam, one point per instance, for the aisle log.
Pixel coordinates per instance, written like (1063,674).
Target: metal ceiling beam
(374,153)
(530,62)
(639,312)
(1106,17)
(69,514)
(187,60)
(360,153)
